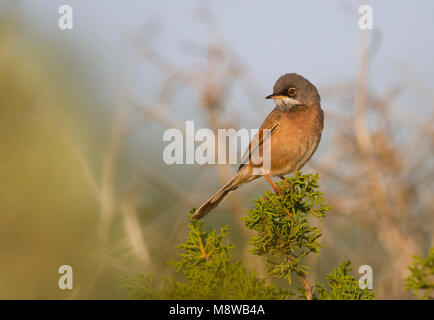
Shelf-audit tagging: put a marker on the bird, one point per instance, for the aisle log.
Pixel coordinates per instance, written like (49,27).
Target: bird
(294,129)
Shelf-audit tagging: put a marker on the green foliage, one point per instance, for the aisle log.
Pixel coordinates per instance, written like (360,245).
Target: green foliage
(206,269)
(342,286)
(421,280)
(285,235)
(208,272)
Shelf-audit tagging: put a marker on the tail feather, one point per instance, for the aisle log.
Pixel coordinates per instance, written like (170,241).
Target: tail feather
(236,181)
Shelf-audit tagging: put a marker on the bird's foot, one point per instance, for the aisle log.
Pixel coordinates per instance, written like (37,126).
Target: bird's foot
(275,188)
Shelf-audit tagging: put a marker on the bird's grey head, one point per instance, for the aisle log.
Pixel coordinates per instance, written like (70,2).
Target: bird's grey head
(292,89)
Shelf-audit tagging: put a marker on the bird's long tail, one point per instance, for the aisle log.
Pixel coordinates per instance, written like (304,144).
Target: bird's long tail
(237,180)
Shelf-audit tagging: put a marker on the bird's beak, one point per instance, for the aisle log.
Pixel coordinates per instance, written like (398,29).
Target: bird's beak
(274,96)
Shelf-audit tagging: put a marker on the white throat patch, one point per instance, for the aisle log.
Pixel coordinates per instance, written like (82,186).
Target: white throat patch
(286,103)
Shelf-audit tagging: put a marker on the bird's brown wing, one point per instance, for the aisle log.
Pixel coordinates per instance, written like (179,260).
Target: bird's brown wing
(271,123)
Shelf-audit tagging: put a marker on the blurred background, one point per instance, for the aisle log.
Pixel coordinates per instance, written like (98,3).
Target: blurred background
(83,111)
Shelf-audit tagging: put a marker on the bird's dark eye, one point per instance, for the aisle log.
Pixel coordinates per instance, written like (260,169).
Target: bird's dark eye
(292,92)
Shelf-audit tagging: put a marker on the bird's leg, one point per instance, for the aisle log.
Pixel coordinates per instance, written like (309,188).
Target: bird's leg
(276,189)
(282,177)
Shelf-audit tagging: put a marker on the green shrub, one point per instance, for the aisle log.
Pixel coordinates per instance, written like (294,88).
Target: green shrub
(206,268)
(208,272)
(421,280)
(342,286)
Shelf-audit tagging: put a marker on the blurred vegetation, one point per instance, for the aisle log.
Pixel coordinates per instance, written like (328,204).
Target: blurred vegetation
(48,209)
(421,280)
(284,235)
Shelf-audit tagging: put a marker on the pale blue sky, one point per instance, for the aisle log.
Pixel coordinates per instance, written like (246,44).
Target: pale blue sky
(314,38)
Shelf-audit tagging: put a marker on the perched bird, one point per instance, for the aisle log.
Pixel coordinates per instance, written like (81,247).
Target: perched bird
(295,124)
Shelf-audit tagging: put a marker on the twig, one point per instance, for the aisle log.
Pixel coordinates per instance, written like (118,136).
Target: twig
(306,285)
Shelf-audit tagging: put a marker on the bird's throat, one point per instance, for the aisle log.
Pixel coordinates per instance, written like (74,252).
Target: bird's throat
(286,104)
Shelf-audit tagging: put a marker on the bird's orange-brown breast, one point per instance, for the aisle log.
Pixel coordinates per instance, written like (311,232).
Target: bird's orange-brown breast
(296,138)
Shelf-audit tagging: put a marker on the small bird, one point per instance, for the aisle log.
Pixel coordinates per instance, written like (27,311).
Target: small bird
(295,124)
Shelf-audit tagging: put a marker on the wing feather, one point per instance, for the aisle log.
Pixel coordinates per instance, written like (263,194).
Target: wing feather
(271,123)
